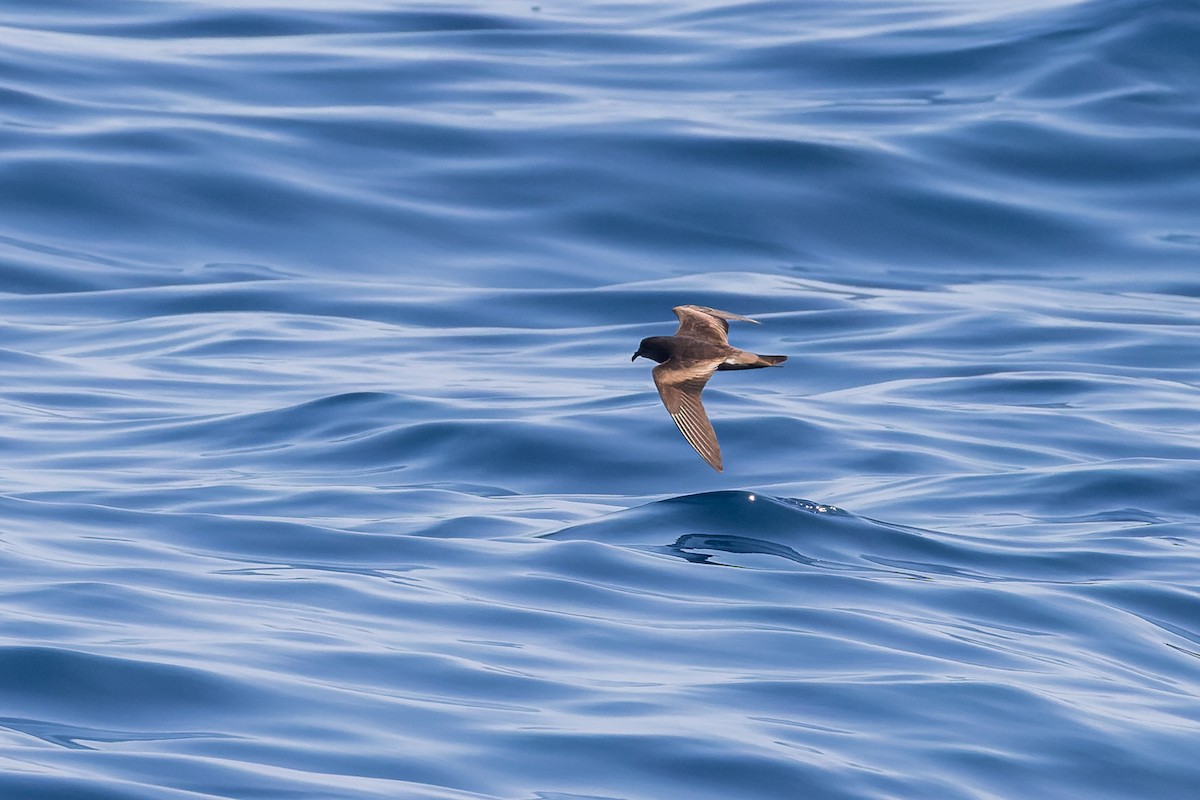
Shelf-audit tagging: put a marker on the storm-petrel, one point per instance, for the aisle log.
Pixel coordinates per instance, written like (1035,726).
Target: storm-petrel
(687,360)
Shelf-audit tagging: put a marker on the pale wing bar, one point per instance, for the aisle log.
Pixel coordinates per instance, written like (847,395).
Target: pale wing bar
(702,322)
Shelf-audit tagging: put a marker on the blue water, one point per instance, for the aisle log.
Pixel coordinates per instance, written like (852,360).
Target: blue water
(326,473)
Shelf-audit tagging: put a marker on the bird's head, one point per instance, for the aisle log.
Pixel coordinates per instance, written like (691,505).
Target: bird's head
(654,348)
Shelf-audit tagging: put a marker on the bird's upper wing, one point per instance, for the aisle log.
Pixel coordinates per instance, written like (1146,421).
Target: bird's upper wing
(680,389)
(702,322)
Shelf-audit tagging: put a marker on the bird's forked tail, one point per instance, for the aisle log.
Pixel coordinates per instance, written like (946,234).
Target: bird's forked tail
(743,359)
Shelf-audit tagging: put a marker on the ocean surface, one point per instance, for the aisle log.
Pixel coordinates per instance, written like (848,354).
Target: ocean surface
(326,473)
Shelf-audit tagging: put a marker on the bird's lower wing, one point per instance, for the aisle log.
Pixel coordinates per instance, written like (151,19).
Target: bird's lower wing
(680,392)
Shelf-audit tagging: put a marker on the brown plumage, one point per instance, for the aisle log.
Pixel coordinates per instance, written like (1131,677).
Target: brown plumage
(687,360)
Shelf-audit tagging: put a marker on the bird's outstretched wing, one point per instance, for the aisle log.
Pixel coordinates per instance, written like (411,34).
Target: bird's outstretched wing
(680,388)
(702,322)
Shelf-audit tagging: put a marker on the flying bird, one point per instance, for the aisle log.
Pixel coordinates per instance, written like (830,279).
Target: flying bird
(687,360)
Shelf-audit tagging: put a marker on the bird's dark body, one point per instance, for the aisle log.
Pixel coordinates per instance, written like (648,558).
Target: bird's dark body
(688,351)
(687,360)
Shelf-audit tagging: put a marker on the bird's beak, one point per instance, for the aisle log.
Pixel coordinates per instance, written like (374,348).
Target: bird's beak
(635,355)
